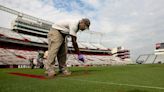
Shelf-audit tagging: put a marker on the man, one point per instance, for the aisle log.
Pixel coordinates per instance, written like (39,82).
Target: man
(57,46)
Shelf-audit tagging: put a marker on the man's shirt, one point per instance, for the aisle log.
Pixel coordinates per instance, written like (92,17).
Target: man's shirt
(67,27)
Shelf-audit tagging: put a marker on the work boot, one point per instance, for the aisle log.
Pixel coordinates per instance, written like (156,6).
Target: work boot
(50,74)
(65,72)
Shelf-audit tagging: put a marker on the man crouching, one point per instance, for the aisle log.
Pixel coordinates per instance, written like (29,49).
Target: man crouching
(57,45)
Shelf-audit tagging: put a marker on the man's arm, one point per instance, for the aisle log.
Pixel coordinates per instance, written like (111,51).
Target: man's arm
(75,45)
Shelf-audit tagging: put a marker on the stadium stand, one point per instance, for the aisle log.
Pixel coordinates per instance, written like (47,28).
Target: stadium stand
(35,26)
(97,57)
(8,33)
(29,35)
(8,58)
(45,40)
(23,53)
(95,54)
(32,38)
(150,59)
(95,60)
(157,57)
(121,53)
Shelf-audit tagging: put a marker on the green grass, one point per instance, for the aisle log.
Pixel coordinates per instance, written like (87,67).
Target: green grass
(129,78)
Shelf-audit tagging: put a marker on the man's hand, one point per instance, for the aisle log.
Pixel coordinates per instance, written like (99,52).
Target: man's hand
(81,57)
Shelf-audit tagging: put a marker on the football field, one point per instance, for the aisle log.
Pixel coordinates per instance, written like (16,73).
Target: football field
(127,78)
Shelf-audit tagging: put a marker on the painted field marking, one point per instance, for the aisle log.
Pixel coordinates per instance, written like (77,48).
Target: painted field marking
(119,84)
(28,75)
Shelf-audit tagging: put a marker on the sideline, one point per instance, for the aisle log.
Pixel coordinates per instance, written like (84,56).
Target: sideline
(111,83)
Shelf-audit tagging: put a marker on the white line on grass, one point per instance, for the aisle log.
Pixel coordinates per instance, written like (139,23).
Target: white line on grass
(111,83)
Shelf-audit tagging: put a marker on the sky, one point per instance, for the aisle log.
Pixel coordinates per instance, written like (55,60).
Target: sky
(136,25)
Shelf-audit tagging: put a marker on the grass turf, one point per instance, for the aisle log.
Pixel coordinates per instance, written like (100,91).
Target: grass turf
(129,78)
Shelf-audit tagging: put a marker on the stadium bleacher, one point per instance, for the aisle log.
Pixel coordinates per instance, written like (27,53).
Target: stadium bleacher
(24,53)
(10,34)
(9,58)
(45,40)
(30,35)
(95,60)
(32,38)
(15,56)
(150,59)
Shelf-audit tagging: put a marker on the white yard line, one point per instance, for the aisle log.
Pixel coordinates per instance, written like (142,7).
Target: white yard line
(119,84)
